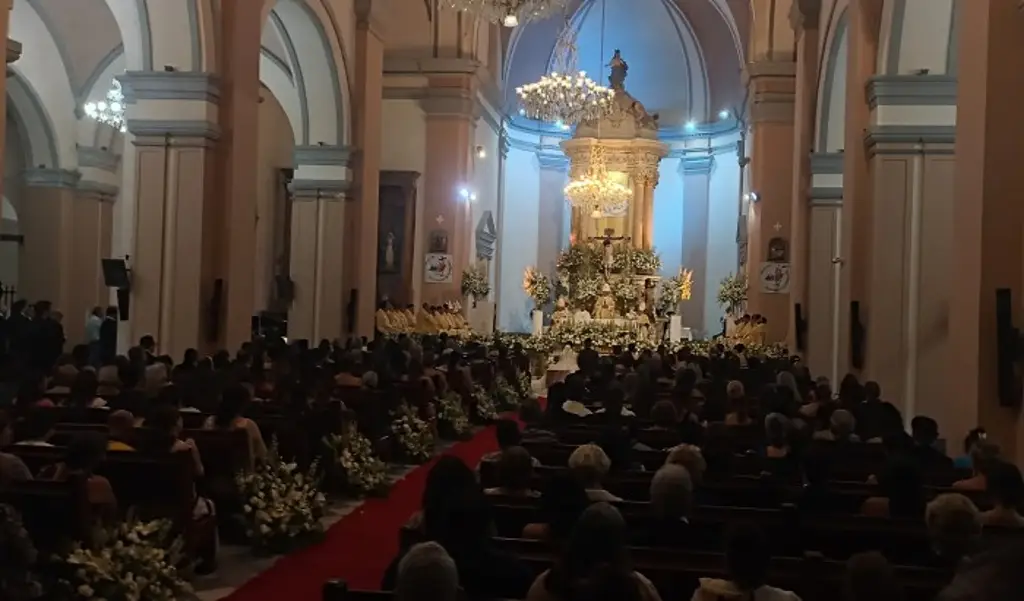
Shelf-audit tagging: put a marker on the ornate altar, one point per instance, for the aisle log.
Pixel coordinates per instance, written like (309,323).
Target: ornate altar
(627,141)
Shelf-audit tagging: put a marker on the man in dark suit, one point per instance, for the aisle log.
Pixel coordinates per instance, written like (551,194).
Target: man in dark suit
(588,358)
(108,335)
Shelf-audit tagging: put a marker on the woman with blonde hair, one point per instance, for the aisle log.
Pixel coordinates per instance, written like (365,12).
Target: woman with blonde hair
(591,464)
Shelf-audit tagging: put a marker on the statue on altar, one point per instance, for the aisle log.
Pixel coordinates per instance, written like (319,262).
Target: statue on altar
(604,307)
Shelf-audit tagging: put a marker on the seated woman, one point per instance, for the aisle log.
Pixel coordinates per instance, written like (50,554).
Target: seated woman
(594,564)
(84,455)
(954,528)
(984,457)
(1006,489)
(233,403)
(590,464)
(841,427)
(902,489)
(747,555)
(508,435)
(671,504)
(692,459)
(449,476)
(739,413)
(121,426)
(166,425)
(776,430)
(515,472)
(562,501)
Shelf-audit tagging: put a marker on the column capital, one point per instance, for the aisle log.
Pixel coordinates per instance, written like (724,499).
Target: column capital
(51,178)
(696,165)
(911,90)
(826,163)
(170,132)
(910,139)
(169,85)
(99,191)
(13,50)
(319,189)
(98,158)
(553,162)
(772,91)
(324,155)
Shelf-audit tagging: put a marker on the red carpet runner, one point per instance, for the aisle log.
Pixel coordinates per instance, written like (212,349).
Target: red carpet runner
(358,547)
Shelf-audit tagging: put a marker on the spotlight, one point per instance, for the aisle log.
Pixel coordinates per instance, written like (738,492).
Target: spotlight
(464,193)
(472,197)
(752,197)
(522,112)
(510,21)
(691,126)
(481,152)
(724,114)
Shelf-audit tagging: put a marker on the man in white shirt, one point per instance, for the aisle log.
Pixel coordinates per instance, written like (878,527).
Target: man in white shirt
(92,334)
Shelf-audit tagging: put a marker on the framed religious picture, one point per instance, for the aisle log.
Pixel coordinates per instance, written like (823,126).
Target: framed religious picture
(774,278)
(438,268)
(438,242)
(778,250)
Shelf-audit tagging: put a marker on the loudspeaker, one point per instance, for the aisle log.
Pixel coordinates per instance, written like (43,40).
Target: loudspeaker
(1008,381)
(800,326)
(213,311)
(115,273)
(123,303)
(856,336)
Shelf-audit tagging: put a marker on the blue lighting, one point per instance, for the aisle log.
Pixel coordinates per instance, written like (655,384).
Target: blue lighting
(691,126)
(723,114)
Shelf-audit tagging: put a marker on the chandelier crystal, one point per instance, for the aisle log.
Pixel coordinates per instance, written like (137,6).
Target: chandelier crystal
(596,193)
(565,96)
(510,13)
(110,110)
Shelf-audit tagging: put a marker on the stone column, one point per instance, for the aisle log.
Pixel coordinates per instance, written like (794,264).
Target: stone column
(317,260)
(649,185)
(772,85)
(47,222)
(93,216)
(988,217)
(827,345)
(696,196)
(553,173)
(451,126)
(804,19)
(858,197)
(638,210)
(361,265)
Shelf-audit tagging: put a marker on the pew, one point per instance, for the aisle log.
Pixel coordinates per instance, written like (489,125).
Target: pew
(54,513)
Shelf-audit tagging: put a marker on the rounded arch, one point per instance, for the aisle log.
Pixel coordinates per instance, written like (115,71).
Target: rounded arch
(29,112)
(917,36)
(315,57)
(830,121)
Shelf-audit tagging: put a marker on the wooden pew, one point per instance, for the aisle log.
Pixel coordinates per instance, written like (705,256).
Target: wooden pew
(53,513)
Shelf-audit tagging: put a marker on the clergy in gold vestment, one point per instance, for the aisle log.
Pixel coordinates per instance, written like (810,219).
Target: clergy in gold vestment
(383,323)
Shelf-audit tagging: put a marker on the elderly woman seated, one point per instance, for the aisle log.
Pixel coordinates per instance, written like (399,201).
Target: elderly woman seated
(739,405)
(692,459)
(954,527)
(841,427)
(671,504)
(515,471)
(590,464)
(427,573)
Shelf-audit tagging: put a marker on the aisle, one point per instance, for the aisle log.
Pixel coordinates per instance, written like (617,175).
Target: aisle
(359,547)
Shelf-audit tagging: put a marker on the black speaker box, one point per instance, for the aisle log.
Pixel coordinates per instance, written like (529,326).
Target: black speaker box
(857,336)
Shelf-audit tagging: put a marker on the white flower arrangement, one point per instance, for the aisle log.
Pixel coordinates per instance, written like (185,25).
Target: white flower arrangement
(353,452)
(451,413)
(622,259)
(524,383)
(133,561)
(674,290)
(537,286)
(283,506)
(476,282)
(584,290)
(506,397)
(732,292)
(412,433)
(646,261)
(626,294)
(486,409)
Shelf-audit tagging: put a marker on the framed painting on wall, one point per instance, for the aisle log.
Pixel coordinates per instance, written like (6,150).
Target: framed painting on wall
(438,268)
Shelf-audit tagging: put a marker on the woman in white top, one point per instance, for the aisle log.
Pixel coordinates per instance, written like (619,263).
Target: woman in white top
(591,464)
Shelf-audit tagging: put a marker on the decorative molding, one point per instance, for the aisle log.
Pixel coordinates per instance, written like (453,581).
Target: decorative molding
(911,90)
(171,128)
(696,165)
(51,178)
(98,158)
(169,85)
(100,191)
(279,62)
(910,139)
(553,162)
(899,13)
(320,189)
(400,179)
(403,65)
(826,163)
(324,155)
(823,196)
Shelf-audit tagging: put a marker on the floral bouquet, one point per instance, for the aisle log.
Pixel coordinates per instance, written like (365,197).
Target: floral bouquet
(130,562)
(537,286)
(524,384)
(674,290)
(622,259)
(732,292)
(17,580)
(283,505)
(365,473)
(485,408)
(626,294)
(585,290)
(646,261)
(451,415)
(413,435)
(476,282)
(506,397)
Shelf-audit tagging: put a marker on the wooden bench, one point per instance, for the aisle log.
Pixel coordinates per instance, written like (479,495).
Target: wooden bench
(53,513)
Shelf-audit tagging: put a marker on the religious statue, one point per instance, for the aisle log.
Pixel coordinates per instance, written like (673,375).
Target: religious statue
(609,255)
(619,68)
(562,313)
(643,322)
(604,307)
(389,252)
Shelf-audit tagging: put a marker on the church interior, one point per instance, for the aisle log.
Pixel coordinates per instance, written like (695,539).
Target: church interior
(397,230)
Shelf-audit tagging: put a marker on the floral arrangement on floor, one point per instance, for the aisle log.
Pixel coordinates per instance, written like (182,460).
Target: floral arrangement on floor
(732,292)
(476,282)
(626,293)
(485,408)
(17,580)
(674,290)
(537,286)
(412,434)
(283,505)
(365,473)
(506,396)
(524,384)
(130,562)
(645,261)
(452,415)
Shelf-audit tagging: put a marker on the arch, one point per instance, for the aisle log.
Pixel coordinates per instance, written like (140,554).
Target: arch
(831,109)
(30,113)
(917,35)
(313,54)
(278,80)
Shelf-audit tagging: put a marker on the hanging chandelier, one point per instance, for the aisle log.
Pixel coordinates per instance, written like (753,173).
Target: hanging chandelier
(565,96)
(510,13)
(596,192)
(110,110)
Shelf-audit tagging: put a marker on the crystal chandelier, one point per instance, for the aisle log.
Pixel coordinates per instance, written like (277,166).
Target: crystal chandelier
(509,13)
(565,96)
(110,110)
(596,192)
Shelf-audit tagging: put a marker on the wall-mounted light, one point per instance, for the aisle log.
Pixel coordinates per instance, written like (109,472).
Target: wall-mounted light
(467,195)
(481,152)
(752,197)
(691,126)
(724,114)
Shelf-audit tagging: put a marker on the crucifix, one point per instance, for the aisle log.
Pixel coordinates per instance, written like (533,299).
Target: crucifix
(607,241)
